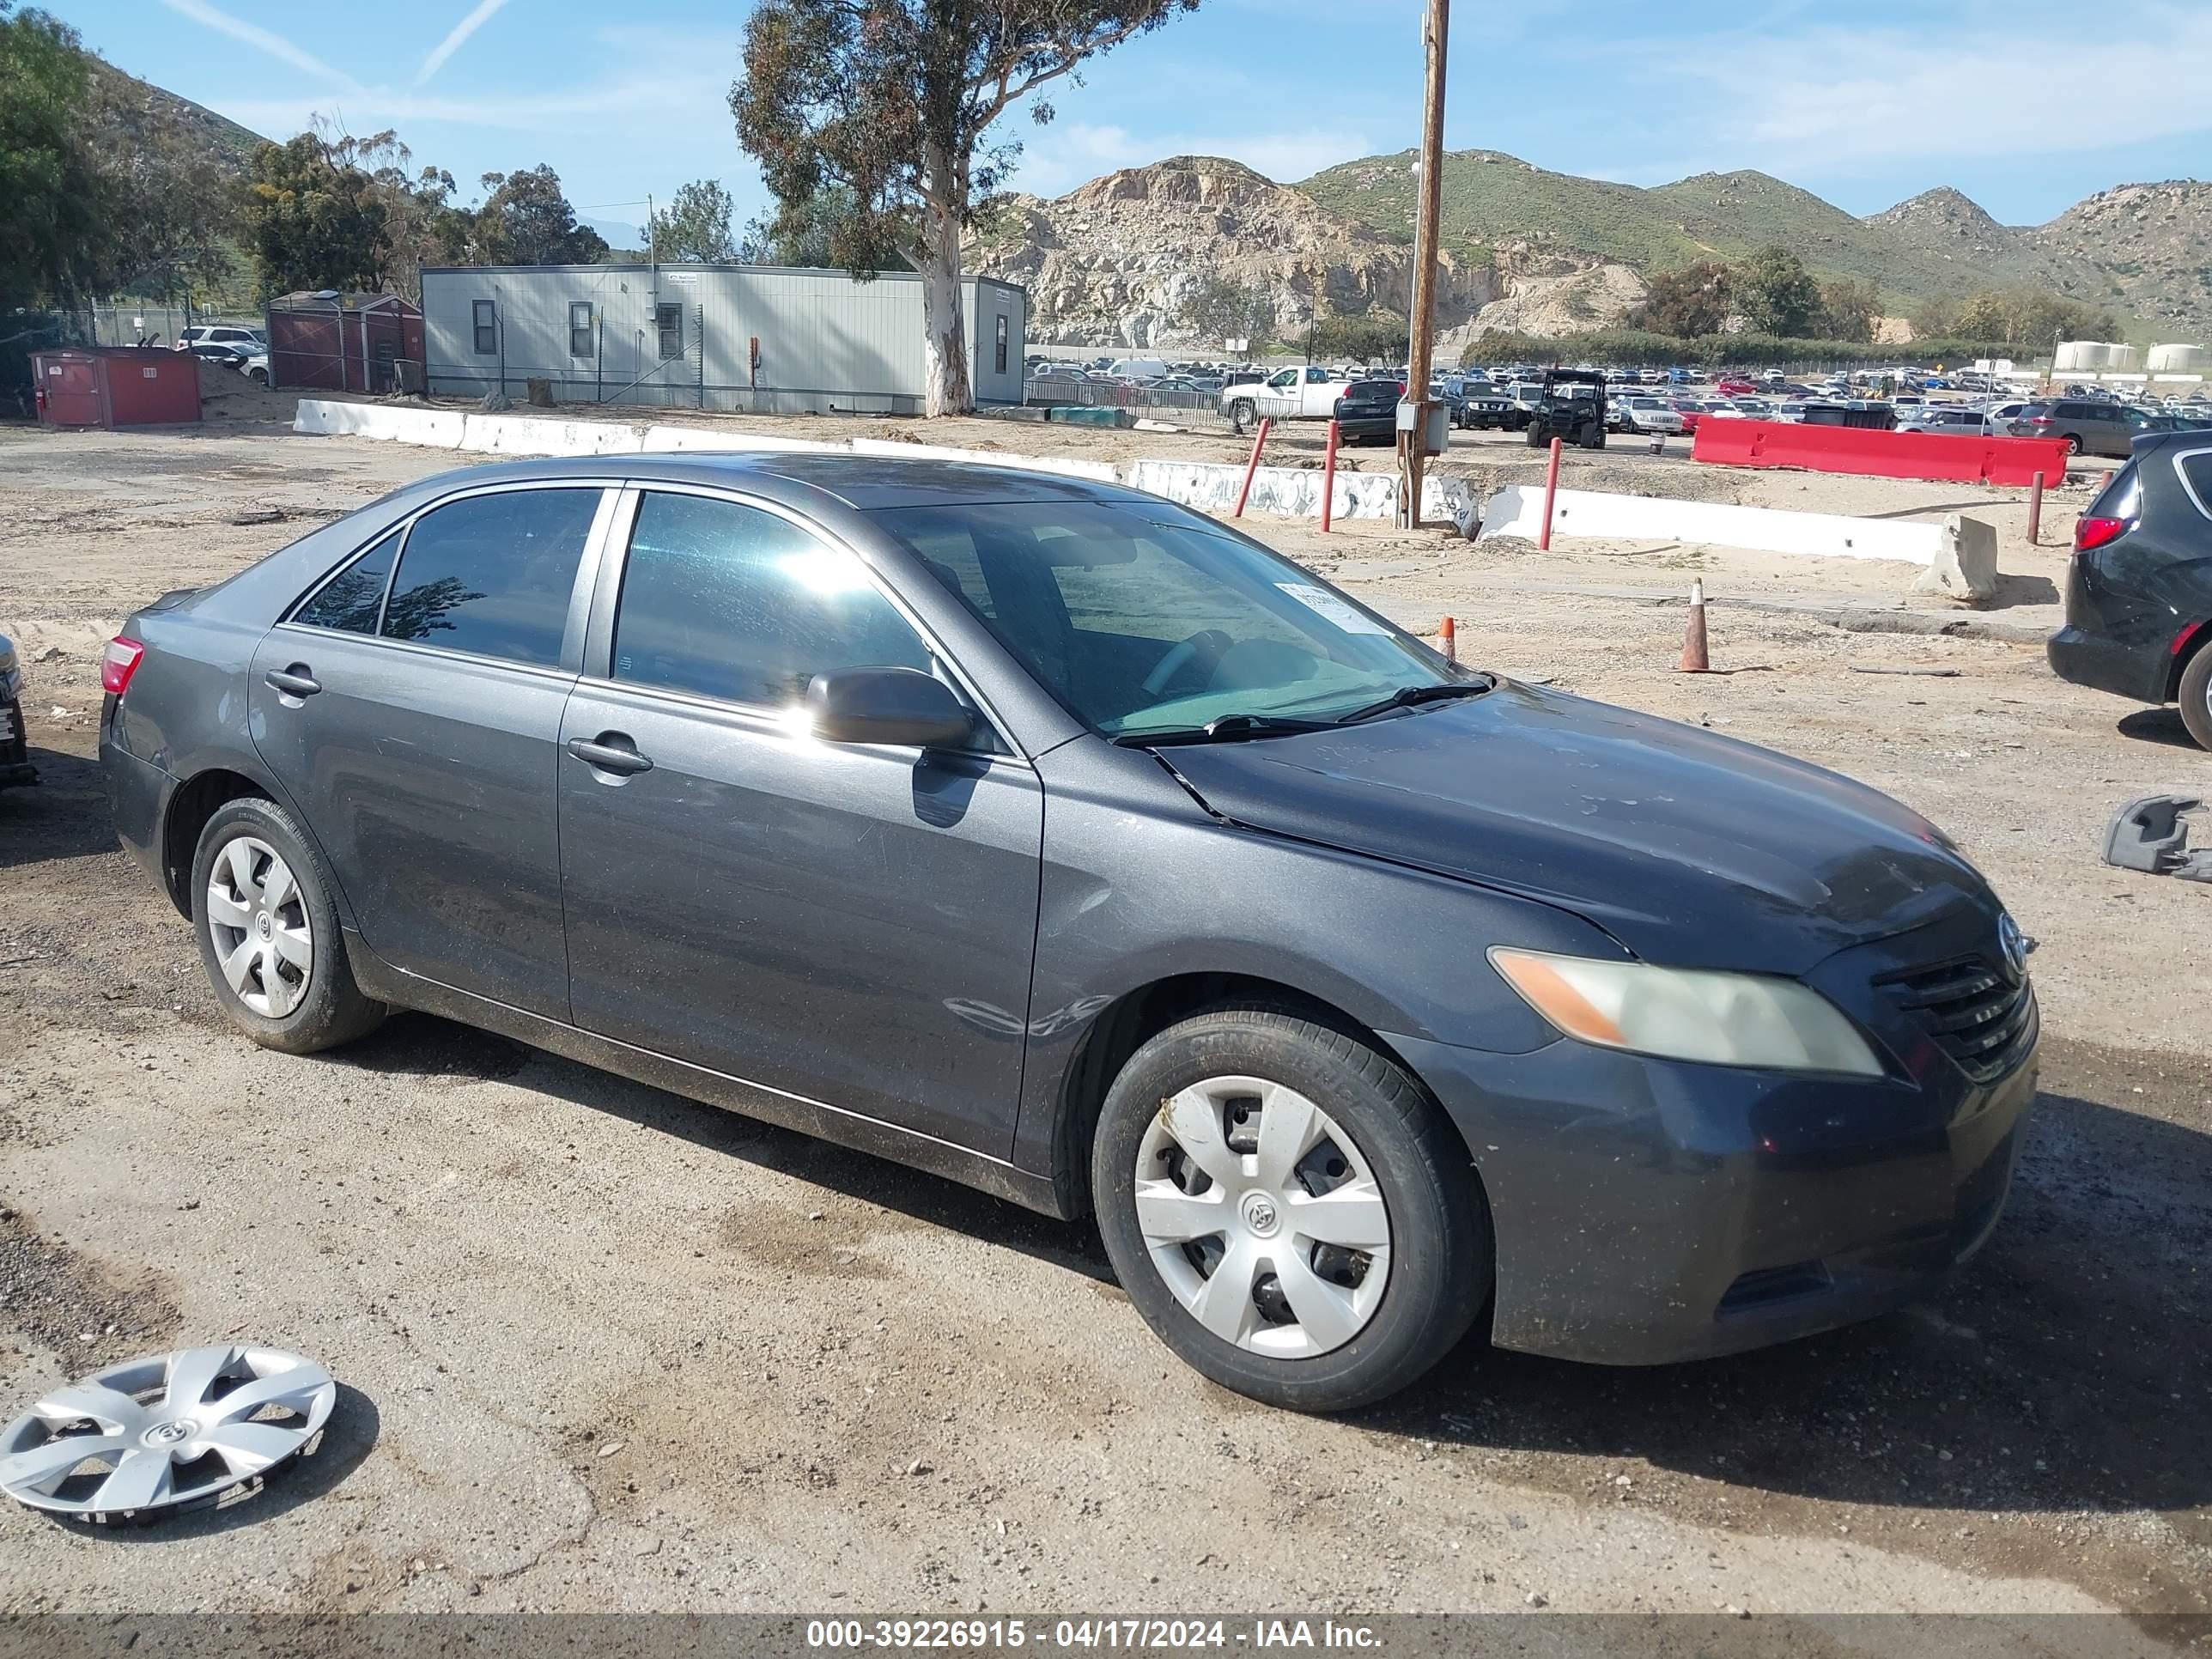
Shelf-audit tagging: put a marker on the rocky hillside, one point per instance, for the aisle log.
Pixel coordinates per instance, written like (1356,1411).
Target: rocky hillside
(2149,246)
(1110,263)
(139,106)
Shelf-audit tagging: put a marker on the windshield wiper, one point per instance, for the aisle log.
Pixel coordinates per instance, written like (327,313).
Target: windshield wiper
(1228,729)
(1409,696)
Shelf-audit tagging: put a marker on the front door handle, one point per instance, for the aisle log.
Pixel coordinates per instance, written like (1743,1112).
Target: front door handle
(610,751)
(293,682)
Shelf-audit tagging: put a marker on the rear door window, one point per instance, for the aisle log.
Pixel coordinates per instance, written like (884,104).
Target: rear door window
(492,575)
(348,602)
(728,601)
(2195,466)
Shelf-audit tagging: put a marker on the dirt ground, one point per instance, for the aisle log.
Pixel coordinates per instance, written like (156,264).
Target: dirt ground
(605,1349)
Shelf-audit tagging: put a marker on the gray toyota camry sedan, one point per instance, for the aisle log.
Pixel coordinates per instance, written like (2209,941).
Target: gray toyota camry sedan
(1053,838)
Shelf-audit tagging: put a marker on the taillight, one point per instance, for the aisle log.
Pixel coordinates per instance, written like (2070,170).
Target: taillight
(2039,420)
(2095,533)
(119,663)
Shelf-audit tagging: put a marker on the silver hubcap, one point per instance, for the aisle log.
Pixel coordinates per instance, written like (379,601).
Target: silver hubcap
(1262,1216)
(169,1430)
(257,919)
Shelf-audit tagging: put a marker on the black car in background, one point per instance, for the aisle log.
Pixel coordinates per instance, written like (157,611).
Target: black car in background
(1367,413)
(1482,408)
(2139,591)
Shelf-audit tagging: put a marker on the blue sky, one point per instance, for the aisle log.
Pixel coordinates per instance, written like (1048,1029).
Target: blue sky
(2010,100)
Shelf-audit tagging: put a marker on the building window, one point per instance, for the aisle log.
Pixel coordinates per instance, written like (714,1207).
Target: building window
(669,319)
(580,328)
(486,316)
(999,352)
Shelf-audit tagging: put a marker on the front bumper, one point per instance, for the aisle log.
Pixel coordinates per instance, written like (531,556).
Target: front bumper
(1647,1211)
(15,746)
(2136,671)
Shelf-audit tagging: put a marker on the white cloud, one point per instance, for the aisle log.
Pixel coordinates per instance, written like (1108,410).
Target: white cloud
(480,15)
(1058,157)
(1977,84)
(254,35)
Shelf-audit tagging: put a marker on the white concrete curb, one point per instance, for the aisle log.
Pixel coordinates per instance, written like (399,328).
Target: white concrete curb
(1518,510)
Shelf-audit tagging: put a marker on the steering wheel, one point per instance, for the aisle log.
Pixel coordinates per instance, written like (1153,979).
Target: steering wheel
(1209,642)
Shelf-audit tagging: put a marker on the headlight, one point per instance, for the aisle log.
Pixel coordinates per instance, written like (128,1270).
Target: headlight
(1678,1013)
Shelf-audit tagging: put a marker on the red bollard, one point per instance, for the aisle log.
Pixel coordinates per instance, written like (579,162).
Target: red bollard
(2035,511)
(1328,478)
(1551,491)
(1258,439)
(1448,636)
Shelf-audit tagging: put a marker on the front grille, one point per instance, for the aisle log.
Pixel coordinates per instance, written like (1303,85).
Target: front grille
(1977,1015)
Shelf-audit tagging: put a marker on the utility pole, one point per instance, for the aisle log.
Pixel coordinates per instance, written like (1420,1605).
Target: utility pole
(1411,460)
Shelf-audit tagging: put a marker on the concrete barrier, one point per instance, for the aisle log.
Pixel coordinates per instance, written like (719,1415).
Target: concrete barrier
(1517,510)
(665,438)
(1942,457)
(1295,492)
(1098,471)
(522,435)
(1966,566)
(432,428)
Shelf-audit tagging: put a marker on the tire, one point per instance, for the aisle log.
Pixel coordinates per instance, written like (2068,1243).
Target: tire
(2196,696)
(1357,1341)
(1243,416)
(1535,435)
(2073,443)
(308,1000)
(1596,438)
(258,376)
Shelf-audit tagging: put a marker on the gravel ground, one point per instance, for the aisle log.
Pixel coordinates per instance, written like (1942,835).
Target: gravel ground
(606,1349)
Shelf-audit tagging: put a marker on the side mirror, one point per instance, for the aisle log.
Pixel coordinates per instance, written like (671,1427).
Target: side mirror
(887,705)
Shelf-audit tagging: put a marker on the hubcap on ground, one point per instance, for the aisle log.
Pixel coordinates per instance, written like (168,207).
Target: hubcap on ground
(164,1432)
(1262,1216)
(257,919)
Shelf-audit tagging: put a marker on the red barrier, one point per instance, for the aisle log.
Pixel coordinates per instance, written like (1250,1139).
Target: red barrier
(1882,454)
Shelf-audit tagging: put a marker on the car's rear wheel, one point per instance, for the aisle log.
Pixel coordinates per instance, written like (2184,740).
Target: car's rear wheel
(2073,443)
(1287,1210)
(2196,695)
(269,936)
(1243,416)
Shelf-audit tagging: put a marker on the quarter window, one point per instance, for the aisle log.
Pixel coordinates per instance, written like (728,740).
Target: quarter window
(2196,469)
(669,320)
(485,316)
(492,575)
(727,601)
(580,328)
(348,602)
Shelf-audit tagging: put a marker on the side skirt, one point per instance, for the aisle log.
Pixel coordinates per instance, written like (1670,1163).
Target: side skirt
(385,983)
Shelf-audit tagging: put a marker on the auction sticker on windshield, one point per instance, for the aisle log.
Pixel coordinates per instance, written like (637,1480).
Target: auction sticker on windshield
(1325,604)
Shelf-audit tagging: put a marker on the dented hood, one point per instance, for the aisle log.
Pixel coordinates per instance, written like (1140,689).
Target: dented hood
(1690,849)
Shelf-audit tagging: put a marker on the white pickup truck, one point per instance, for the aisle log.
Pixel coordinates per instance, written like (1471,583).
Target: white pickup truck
(1304,394)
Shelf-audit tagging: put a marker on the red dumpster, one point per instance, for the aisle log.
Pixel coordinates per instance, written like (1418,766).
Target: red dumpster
(116,386)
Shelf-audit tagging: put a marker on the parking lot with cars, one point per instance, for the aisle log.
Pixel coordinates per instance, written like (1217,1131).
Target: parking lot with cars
(601,1346)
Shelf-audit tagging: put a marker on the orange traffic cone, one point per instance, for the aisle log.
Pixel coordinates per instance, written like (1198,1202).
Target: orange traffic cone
(1448,640)
(1695,660)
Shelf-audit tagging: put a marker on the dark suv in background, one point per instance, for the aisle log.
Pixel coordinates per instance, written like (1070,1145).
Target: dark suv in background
(2139,591)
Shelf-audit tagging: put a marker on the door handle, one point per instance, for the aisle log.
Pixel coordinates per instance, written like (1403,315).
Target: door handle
(610,751)
(293,682)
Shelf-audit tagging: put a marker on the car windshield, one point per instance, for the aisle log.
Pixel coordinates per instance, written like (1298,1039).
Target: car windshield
(1151,619)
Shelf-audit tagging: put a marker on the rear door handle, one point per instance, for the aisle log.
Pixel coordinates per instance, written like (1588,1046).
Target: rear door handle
(610,751)
(293,682)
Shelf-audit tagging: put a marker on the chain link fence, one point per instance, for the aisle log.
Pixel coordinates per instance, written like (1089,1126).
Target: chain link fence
(1182,406)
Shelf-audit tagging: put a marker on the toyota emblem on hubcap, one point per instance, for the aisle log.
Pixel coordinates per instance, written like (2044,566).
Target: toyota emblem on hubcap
(1259,1213)
(168,1434)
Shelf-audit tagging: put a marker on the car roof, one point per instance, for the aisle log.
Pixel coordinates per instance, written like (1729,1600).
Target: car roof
(866,483)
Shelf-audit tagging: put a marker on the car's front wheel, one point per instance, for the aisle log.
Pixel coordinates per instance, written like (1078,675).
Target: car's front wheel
(268,929)
(1287,1209)
(1243,416)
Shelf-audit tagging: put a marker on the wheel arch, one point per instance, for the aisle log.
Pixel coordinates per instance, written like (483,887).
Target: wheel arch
(2196,639)
(193,803)
(1135,1017)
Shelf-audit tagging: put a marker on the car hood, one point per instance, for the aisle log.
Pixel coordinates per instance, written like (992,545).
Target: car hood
(1690,849)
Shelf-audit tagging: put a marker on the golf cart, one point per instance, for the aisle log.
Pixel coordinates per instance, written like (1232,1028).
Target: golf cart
(1570,407)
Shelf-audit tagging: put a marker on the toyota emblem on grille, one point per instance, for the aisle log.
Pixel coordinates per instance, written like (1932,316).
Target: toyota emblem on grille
(2015,947)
